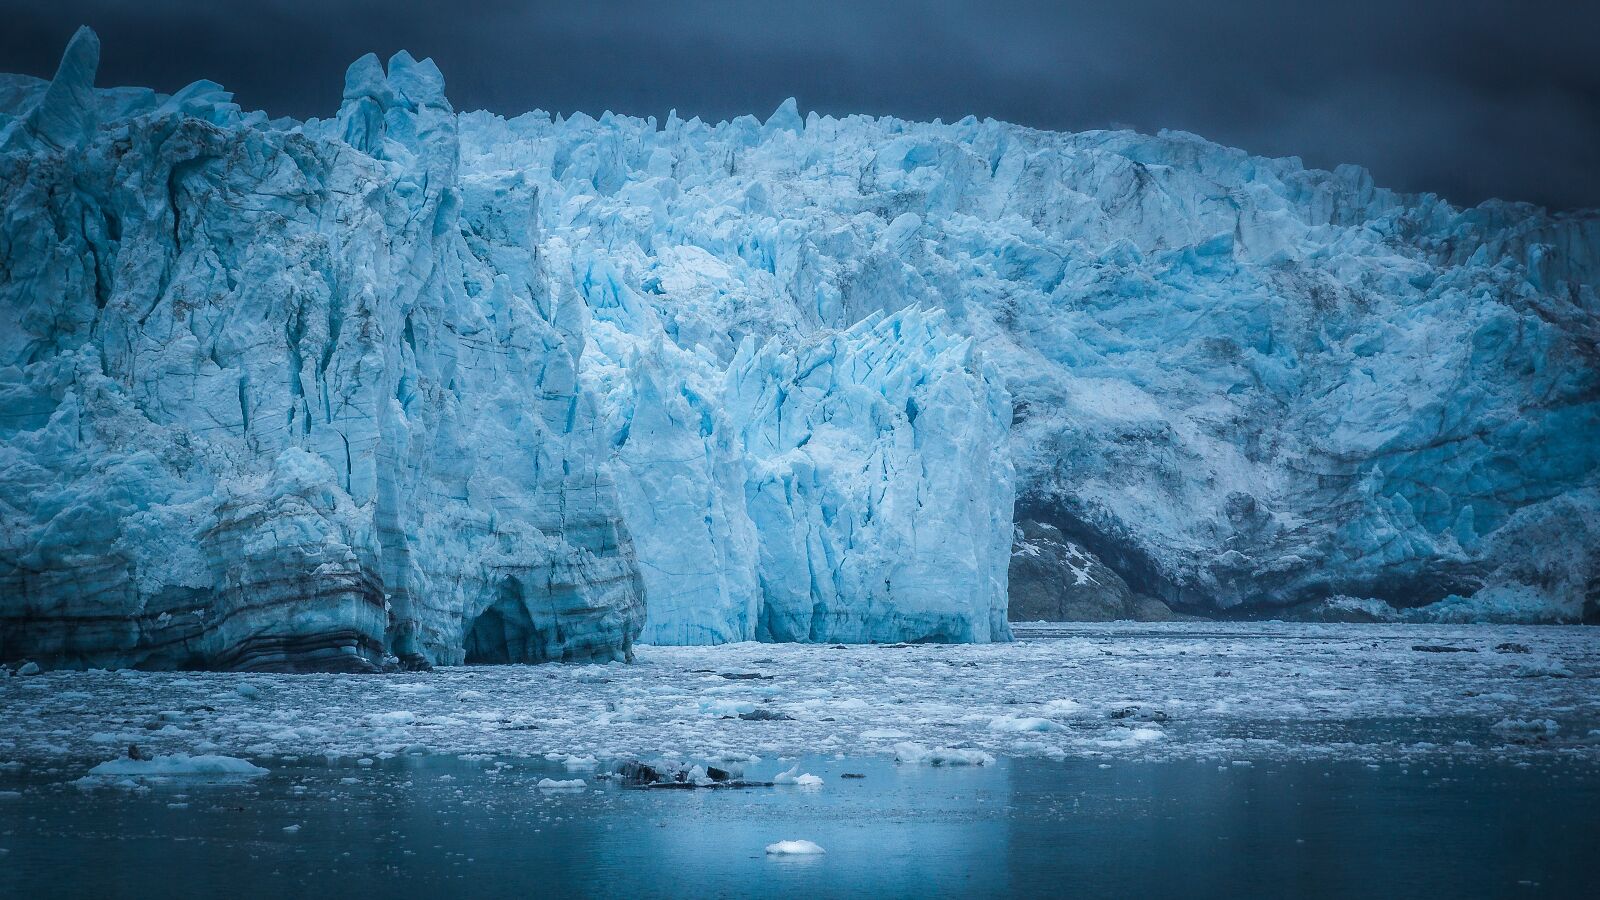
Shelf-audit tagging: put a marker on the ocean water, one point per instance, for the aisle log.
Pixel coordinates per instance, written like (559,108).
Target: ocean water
(436,825)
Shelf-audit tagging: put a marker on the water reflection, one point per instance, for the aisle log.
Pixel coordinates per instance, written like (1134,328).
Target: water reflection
(437,826)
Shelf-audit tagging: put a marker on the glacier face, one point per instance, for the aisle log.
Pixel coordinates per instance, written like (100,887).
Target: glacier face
(459,388)
(1239,383)
(327,395)
(272,404)
(879,483)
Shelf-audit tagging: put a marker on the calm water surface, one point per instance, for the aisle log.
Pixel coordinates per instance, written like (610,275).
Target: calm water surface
(442,826)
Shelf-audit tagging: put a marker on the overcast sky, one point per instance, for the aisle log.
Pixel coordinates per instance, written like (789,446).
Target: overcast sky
(1469,98)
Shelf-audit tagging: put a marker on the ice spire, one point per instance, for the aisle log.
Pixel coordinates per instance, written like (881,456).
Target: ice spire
(785,118)
(65,115)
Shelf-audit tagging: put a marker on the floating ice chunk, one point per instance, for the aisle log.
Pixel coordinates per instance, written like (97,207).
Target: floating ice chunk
(793,776)
(1062,707)
(580,763)
(178,764)
(920,754)
(1147,734)
(413,687)
(794,848)
(1022,723)
(570,784)
(726,708)
(884,734)
(1140,712)
(1125,738)
(1543,666)
(1526,731)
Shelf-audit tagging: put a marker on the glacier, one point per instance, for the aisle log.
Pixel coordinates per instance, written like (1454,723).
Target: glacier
(408,386)
(268,405)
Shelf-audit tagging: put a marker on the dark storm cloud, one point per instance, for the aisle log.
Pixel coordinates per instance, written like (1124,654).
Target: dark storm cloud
(1469,99)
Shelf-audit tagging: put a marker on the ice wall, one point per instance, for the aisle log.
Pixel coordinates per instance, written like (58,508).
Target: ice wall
(851,486)
(275,399)
(879,483)
(1240,384)
(331,395)
(406,383)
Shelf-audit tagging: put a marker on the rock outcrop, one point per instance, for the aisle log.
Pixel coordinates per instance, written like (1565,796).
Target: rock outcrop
(1053,579)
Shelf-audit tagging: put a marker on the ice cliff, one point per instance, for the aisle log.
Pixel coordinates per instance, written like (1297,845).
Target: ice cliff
(437,387)
(288,398)
(1240,385)
(330,395)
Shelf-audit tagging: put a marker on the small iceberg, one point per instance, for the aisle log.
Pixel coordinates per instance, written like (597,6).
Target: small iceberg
(177,765)
(794,777)
(794,848)
(920,755)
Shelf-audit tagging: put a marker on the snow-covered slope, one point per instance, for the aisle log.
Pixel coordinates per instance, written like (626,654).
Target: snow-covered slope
(455,387)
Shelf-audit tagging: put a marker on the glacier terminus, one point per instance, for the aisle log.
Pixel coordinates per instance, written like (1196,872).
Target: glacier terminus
(408,386)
